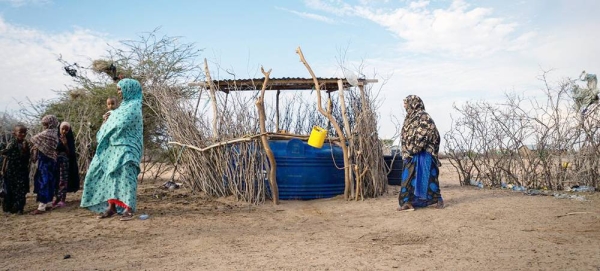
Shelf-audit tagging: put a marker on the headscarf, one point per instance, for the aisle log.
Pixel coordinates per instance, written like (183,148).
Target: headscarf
(73,184)
(47,140)
(419,132)
(125,126)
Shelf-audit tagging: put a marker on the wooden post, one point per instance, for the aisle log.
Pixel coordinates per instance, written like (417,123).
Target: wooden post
(329,108)
(197,104)
(363,97)
(329,103)
(277,111)
(347,163)
(360,175)
(213,98)
(331,119)
(260,105)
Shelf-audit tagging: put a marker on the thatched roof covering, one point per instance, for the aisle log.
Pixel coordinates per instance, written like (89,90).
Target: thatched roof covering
(286,83)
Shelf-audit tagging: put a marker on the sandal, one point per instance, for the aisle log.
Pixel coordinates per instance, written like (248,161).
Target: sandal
(106,214)
(440,205)
(59,205)
(37,212)
(406,208)
(126,216)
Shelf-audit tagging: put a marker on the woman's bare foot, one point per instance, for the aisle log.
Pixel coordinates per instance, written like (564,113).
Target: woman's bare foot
(108,213)
(407,207)
(127,215)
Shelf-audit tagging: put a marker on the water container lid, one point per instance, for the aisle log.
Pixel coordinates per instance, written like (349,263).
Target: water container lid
(295,147)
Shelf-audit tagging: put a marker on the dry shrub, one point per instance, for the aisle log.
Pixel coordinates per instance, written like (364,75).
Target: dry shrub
(535,142)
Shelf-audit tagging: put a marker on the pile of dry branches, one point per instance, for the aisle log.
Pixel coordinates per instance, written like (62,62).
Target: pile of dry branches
(220,170)
(366,148)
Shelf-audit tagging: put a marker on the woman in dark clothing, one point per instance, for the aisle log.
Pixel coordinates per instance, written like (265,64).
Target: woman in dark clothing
(420,146)
(66,160)
(15,170)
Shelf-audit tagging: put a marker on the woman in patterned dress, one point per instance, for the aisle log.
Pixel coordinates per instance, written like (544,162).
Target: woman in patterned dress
(111,182)
(420,146)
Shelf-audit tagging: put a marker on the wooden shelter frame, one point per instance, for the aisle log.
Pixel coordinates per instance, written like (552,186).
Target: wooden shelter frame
(328,85)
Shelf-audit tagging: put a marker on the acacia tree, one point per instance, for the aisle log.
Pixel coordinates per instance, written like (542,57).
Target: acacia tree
(7,123)
(158,62)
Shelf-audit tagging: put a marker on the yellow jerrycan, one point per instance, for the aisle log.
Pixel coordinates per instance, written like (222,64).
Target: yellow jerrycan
(317,137)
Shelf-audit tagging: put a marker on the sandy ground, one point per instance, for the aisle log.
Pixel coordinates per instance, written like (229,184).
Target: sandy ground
(481,229)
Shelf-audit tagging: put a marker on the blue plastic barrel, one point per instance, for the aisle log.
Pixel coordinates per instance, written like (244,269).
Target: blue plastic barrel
(304,172)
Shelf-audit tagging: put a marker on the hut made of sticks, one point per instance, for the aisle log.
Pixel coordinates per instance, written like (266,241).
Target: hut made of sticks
(223,149)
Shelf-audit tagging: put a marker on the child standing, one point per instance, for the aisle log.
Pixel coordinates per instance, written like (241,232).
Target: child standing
(111,104)
(44,145)
(68,172)
(16,171)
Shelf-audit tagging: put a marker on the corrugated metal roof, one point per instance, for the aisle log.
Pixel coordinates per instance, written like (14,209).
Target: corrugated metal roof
(284,83)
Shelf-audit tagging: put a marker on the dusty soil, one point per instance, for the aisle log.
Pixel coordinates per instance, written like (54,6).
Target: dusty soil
(481,229)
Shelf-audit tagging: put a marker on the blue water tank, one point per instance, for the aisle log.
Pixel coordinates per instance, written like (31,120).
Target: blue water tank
(304,172)
(395,166)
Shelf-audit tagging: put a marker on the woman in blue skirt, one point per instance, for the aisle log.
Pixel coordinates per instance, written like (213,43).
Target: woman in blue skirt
(44,146)
(420,146)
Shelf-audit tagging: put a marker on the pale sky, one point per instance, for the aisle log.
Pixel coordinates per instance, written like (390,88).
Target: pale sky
(446,51)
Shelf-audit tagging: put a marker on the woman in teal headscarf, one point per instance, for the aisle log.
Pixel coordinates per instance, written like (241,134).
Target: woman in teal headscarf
(111,181)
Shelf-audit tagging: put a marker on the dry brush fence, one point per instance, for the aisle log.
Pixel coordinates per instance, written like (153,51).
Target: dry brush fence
(537,143)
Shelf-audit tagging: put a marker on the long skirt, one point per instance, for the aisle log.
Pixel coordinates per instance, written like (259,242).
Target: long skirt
(44,178)
(118,186)
(60,189)
(420,185)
